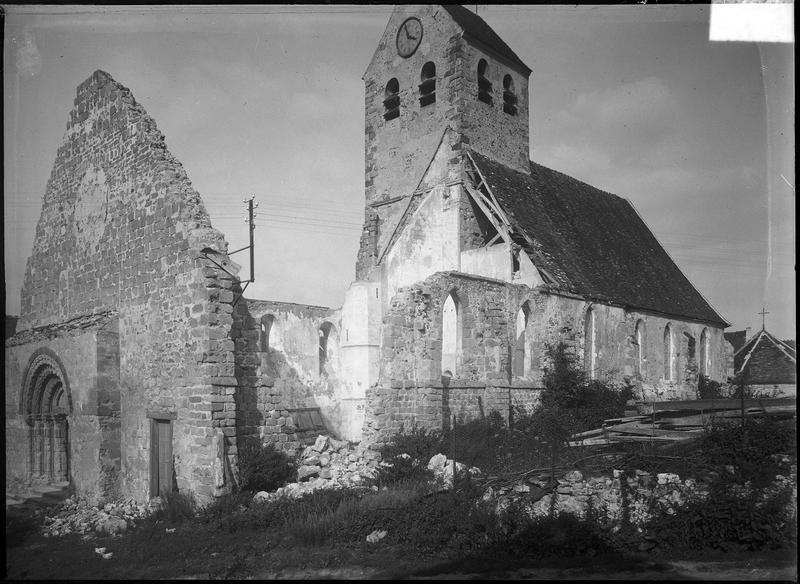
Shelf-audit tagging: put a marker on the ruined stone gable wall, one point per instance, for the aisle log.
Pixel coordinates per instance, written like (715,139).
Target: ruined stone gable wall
(122,228)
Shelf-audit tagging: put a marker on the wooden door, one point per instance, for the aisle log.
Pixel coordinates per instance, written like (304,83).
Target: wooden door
(161,457)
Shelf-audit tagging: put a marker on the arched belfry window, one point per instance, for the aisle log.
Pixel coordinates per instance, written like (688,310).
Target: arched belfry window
(590,343)
(391,100)
(451,335)
(521,362)
(641,355)
(669,354)
(427,86)
(484,85)
(509,96)
(705,353)
(264,332)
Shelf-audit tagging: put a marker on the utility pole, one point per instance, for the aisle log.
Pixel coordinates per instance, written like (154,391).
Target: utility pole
(252,229)
(250,220)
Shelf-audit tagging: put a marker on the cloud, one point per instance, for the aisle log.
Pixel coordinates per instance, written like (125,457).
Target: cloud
(645,103)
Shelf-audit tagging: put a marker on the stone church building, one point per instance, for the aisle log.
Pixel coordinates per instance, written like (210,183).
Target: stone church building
(138,364)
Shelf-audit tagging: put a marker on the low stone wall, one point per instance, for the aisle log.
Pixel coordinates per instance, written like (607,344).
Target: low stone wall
(611,496)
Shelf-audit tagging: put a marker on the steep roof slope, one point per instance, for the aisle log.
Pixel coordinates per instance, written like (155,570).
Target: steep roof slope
(766,360)
(476,28)
(594,243)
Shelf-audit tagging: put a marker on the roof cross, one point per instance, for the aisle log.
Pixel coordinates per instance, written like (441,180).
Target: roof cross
(763,313)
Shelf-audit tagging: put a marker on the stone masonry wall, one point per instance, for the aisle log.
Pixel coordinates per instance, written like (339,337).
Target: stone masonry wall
(83,347)
(122,228)
(278,367)
(411,389)
(399,150)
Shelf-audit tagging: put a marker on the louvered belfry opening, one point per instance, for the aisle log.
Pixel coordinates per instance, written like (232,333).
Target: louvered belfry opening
(484,85)
(427,86)
(391,101)
(509,96)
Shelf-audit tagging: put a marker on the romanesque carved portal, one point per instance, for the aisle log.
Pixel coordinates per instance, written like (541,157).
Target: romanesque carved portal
(46,405)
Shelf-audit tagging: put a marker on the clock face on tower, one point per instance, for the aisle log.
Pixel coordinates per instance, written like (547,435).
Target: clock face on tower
(409,36)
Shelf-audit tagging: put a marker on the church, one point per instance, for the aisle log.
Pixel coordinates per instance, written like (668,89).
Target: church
(138,363)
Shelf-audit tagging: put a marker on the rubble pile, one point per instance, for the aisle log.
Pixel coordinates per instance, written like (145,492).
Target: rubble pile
(328,464)
(77,515)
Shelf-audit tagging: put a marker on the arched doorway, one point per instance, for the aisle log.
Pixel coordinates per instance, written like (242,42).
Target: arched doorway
(46,403)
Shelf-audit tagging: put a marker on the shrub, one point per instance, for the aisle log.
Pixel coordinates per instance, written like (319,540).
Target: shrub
(261,467)
(407,455)
(727,521)
(175,507)
(482,442)
(749,448)
(709,389)
(558,535)
(575,401)
(225,511)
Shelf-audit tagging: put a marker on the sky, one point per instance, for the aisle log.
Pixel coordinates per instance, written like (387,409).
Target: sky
(269,101)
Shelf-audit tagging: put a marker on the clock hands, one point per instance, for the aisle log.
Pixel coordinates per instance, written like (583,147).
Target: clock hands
(408,36)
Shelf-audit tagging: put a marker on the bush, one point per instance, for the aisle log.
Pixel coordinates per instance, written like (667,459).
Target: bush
(558,535)
(579,403)
(709,389)
(483,443)
(262,468)
(175,507)
(749,448)
(727,521)
(225,511)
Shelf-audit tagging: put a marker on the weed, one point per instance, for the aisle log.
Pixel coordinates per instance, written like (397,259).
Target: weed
(261,467)
(175,507)
(558,535)
(728,520)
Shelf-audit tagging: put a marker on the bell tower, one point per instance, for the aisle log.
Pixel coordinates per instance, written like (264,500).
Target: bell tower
(440,79)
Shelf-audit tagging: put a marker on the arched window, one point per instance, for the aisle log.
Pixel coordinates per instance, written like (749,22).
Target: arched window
(391,100)
(641,355)
(484,85)
(590,346)
(509,96)
(324,348)
(427,86)
(521,363)
(705,353)
(263,334)
(451,335)
(669,354)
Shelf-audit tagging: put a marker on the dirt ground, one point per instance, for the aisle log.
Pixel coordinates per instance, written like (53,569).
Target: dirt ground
(154,551)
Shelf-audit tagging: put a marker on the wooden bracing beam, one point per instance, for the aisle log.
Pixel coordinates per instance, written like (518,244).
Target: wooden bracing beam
(485,206)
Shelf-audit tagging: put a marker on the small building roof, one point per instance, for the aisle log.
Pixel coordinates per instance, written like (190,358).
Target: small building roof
(766,360)
(593,243)
(476,28)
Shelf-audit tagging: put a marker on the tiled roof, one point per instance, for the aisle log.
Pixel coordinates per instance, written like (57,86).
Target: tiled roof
(475,27)
(593,243)
(766,360)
